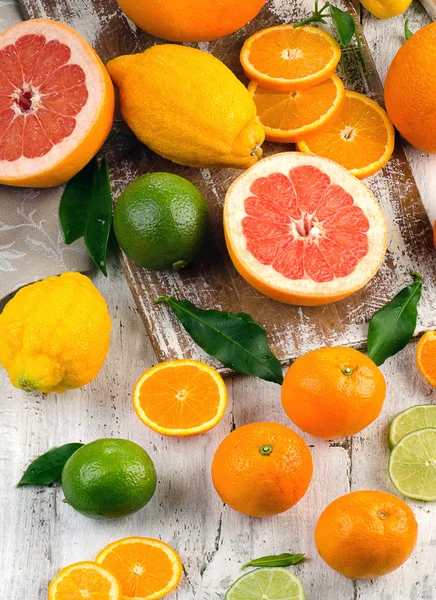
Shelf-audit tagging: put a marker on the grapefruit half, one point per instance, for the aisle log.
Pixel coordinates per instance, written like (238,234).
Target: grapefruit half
(56,103)
(303,230)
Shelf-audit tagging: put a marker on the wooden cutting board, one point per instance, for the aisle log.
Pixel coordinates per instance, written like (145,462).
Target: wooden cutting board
(212,282)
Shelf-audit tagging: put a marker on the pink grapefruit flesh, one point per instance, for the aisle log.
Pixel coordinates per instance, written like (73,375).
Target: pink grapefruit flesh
(52,91)
(302,230)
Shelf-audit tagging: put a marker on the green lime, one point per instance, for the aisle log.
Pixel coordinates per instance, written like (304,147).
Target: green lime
(412,419)
(108,479)
(412,465)
(267,584)
(160,221)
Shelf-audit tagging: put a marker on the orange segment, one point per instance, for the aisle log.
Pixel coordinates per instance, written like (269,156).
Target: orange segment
(180,398)
(360,137)
(84,580)
(290,116)
(426,356)
(285,58)
(147,569)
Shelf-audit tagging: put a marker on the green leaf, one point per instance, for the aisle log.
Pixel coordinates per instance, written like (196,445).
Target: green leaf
(99,218)
(407,33)
(344,24)
(235,339)
(278,560)
(391,327)
(74,202)
(47,468)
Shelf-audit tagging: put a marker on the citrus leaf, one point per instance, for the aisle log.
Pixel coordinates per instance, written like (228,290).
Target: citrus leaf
(99,218)
(344,24)
(392,327)
(407,33)
(235,339)
(73,207)
(277,560)
(47,468)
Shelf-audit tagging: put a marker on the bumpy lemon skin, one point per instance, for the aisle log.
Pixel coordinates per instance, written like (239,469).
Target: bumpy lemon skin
(386,9)
(55,334)
(187,106)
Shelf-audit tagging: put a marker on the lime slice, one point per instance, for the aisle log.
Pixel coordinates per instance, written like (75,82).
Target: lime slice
(267,584)
(412,419)
(412,466)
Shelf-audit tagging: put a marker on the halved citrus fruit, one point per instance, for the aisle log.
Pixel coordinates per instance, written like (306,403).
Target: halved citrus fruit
(289,58)
(291,116)
(426,356)
(180,398)
(302,230)
(84,580)
(360,137)
(147,569)
(56,103)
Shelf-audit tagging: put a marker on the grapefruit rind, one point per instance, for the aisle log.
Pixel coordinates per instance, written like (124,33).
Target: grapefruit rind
(93,122)
(265,278)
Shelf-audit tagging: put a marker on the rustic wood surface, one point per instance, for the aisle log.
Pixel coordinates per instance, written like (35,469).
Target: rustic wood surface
(39,534)
(212,282)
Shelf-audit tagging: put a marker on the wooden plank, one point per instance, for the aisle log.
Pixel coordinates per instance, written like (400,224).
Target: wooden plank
(212,281)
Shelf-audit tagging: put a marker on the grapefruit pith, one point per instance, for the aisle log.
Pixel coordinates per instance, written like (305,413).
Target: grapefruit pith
(56,103)
(303,230)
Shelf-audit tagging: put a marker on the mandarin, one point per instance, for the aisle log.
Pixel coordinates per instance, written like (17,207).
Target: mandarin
(366,534)
(410,90)
(333,392)
(262,469)
(191,20)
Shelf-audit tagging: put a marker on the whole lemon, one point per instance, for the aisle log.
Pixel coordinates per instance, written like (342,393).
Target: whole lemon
(54,334)
(191,20)
(385,9)
(187,106)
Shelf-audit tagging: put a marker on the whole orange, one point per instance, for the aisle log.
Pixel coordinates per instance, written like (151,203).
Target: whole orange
(262,469)
(191,20)
(410,90)
(333,392)
(366,534)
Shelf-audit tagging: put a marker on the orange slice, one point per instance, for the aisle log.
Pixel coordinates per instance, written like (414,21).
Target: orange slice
(291,116)
(301,229)
(147,569)
(288,58)
(360,137)
(426,356)
(180,398)
(84,580)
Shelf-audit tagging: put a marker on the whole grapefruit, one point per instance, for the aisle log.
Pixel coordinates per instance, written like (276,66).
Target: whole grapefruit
(410,90)
(191,20)
(262,469)
(333,392)
(366,534)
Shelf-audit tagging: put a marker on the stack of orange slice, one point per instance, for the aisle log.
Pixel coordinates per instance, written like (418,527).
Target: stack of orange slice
(300,99)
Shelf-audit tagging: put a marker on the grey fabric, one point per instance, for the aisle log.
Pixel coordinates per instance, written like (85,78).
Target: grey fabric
(31,243)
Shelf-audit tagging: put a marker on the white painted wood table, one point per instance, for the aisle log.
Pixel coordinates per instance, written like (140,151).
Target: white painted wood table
(39,534)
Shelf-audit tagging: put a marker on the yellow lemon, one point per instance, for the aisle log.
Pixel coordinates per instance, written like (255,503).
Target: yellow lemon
(187,106)
(385,9)
(54,334)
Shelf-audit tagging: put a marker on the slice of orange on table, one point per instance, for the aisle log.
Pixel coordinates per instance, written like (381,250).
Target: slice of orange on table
(289,116)
(147,569)
(360,137)
(180,398)
(289,58)
(426,356)
(84,580)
